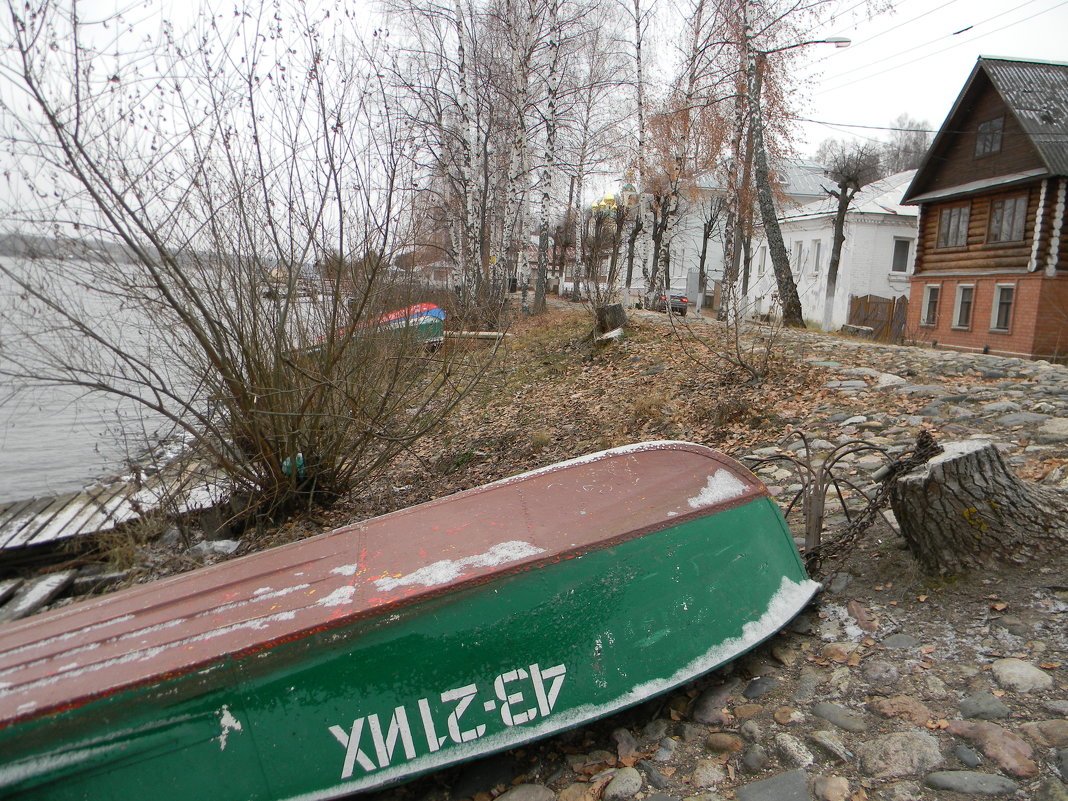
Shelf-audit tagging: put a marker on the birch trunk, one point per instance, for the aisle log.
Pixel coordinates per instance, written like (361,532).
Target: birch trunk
(550,157)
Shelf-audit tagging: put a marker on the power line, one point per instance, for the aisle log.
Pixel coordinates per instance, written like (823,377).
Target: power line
(943,49)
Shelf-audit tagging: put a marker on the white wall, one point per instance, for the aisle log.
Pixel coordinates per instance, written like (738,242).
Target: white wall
(864,269)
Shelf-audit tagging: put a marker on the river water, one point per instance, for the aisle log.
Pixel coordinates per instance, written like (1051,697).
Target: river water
(54,440)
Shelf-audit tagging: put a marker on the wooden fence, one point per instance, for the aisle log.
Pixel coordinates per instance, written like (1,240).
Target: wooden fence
(885,316)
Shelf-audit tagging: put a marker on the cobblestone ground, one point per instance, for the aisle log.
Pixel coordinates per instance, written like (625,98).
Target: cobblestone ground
(892,686)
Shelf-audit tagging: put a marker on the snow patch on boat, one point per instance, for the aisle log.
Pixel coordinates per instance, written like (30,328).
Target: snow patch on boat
(228,723)
(345,570)
(637,447)
(722,486)
(339,597)
(446,570)
(44,765)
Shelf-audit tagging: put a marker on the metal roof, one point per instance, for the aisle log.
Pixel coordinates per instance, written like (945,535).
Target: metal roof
(878,197)
(1036,92)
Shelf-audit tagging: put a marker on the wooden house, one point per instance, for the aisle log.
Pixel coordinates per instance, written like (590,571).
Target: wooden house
(990,271)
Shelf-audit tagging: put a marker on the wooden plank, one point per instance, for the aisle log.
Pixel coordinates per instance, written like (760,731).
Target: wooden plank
(26,517)
(11,511)
(8,587)
(35,594)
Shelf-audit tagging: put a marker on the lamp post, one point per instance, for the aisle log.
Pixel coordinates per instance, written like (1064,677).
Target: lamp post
(780,260)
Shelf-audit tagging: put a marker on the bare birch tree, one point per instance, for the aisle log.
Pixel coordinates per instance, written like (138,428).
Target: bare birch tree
(226,205)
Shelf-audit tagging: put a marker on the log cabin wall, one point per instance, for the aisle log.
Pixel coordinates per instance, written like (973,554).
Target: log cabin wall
(955,162)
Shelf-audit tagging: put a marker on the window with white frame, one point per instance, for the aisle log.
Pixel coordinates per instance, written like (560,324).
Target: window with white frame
(762,260)
(952,227)
(1007,218)
(817,254)
(1001,311)
(962,309)
(930,304)
(798,252)
(900,263)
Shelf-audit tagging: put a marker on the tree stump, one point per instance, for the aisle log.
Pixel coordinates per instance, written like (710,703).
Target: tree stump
(964,510)
(610,317)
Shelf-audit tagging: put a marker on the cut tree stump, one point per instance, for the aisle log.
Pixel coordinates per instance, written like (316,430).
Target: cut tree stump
(965,510)
(610,317)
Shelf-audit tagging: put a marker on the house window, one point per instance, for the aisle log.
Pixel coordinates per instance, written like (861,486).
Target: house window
(1001,313)
(817,252)
(962,310)
(1007,216)
(988,137)
(798,250)
(900,263)
(930,305)
(953,227)
(762,260)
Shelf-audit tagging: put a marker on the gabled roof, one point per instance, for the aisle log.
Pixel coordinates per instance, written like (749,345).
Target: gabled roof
(1036,92)
(800,180)
(878,197)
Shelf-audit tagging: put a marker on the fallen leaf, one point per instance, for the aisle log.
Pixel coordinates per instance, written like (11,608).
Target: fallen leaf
(927,649)
(998,693)
(922,598)
(999,607)
(1049,665)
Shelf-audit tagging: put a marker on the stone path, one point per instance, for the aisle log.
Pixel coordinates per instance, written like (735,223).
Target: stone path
(891,687)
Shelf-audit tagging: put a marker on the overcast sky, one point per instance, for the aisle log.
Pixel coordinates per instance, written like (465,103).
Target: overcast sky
(917,59)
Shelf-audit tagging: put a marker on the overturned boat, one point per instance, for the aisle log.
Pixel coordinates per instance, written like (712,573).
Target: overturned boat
(405,643)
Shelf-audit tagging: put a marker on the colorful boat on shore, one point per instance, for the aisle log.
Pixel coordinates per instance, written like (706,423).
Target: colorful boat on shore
(405,643)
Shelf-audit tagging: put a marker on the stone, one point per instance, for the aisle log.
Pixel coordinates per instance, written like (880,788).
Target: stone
(840,581)
(707,773)
(220,547)
(1021,676)
(751,731)
(880,673)
(967,781)
(900,642)
(1013,625)
(1008,750)
(529,792)
(809,680)
(626,745)
(840,716)
(653,776)
(1001,407)
(747,711)
(1051,790)
(1021,419)
(902,706)
(665,752)
(900,754)
(1048,733)
(1052,431)
(709,706)
(656,729)
(625,783)
(792,751)
(1062,762)
(789,786)
(755,758)
(761,686)
(831,788)
(785,656)
(831,745)
(724,743)
(1057,707)
(968,756)
(785,715)
(691,732)
(901,791)
(984,706)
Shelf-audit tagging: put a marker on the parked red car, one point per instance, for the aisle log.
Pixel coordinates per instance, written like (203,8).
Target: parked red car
(658,301)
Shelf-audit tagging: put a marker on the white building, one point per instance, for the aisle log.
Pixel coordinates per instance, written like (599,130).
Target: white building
(876,258)
(802,184)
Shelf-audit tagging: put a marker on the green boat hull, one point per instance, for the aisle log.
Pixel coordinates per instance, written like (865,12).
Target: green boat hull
(437,681)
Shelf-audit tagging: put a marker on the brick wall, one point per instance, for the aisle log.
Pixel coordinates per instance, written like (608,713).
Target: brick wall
(1036,328)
